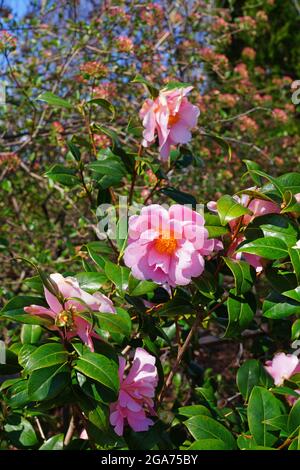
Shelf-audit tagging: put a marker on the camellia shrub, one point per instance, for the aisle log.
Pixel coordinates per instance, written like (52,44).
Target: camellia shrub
(107,357)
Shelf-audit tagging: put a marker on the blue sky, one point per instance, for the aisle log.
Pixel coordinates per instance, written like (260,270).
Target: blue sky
(18,6)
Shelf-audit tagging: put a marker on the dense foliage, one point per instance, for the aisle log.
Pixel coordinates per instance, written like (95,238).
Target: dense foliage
(150,226)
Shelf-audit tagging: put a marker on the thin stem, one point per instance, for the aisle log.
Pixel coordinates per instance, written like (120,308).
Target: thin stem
(182,349)
(70,431)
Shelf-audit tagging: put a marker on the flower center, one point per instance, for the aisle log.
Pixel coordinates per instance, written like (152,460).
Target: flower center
(173,119)
(65,318)
(165,245)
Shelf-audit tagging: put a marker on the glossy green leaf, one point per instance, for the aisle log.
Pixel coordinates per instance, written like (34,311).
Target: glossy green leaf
(48,382)
(54,100)
(205,427)
(250,374)
(229,209)
(53,443)
(277,306)
(14,310)
(120,322)
(99,368)
(119,275)
(137,287)
(91,281)
(267,247)
(244,275)
(20,432)
(47,355)
(31,334)
(63,175)
(262,406)
(193,410)
(241,310)
(104,104)
(294,418)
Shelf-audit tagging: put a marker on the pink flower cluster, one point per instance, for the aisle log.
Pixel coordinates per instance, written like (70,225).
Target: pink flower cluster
(280,115)
(136,394)
(7,41)
(124,44)
(66,314)
(106,90)
(168,246)
(170,117)
(94,69)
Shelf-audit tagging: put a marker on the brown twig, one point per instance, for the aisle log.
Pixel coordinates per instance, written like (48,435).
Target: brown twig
(181,350)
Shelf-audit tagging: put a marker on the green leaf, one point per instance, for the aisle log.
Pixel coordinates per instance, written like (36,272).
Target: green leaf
(278,226)
(91,281)
(267,247)
(154,92)
(253,166)
(53,443)
(208,444)
(278,423)
(20,432)
(241,311)
(262,406)
(137,287)
(75,151)
(175,85)
(277,306)
(118,275)
(206,284)
(205,427)
(213,225)
(17,394)
(295,444)
(290,182)
(229,209)
(24,354)
(63,175)
(193,410)
(244,275)
(109,169)
(180,197)
(295,259)
(293,294)
(99,368)
(119,322)
(47,355)
(98,259)
(134,127)
(294,418)
(54,100)
(14,310)
(251,373)
(296,329)
(176,306)
(47,383)
(104,104)
(30,334)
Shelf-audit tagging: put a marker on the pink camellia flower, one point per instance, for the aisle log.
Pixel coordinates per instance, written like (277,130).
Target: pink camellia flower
(136,394)
(282,367)
(167,246)
(65,315)
(171,117)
